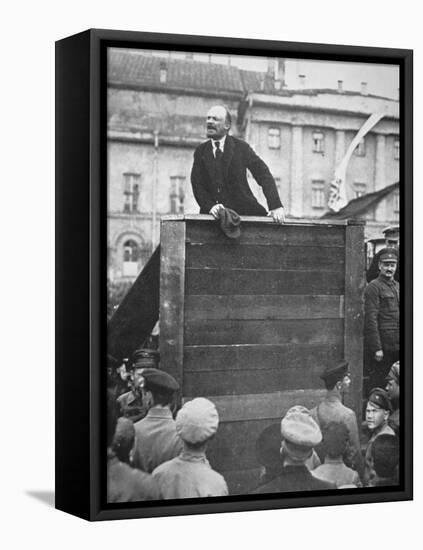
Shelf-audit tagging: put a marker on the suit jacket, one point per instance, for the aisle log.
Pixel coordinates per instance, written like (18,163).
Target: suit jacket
(295,478)
(238,157)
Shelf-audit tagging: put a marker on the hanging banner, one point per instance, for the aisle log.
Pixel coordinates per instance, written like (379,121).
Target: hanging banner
(337,193)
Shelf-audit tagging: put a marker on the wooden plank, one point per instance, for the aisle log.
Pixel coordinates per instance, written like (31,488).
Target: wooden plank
(202,232)
(354,315)
(234,382)
(298,306)
(248,256)
(257,220)
(138,312)
(219,359)
(259,282)
(237,408)
(319,331)
(172,285)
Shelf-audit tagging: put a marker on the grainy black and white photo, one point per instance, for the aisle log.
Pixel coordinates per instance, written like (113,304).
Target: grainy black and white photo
(253,223)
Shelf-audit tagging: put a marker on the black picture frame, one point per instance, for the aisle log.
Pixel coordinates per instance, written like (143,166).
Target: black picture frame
(81,200)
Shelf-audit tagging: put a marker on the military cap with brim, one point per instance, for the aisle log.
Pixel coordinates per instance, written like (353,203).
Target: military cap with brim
(144,357)
(299,428)
(159,378)
(335,372)
(391,230)
(380,399)
(388,255)
(394,372)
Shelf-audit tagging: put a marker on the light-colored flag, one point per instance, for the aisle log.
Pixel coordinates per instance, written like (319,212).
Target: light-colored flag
(337,193)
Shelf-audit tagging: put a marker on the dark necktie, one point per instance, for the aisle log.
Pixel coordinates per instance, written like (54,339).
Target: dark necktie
(218,168)
(218,151)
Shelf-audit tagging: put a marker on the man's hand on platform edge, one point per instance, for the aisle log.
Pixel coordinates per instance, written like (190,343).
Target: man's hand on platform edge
(278,215)
(214,211)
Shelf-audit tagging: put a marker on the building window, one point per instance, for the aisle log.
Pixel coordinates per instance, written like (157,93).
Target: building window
(396,149)
(177,194)
(274,138)
(131,255)
(360,150)
(131,192)
(318,142)
(360,189)
(318,194)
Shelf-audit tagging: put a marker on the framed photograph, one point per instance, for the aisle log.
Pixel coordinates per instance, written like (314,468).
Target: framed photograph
(234,274)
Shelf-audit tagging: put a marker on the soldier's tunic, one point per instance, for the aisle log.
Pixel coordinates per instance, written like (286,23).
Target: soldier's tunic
(331,409)
(381,327)
(126,484)
(189,475)
(156,440)
(335,471)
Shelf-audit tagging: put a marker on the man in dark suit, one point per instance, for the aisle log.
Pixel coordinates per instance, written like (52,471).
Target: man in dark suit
(219,173)
(299,434)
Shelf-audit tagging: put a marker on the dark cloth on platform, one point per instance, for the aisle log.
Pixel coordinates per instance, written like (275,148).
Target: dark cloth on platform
(227,183)
(294,478)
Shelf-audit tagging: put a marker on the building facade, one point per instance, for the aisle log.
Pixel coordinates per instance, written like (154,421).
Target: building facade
(156,119)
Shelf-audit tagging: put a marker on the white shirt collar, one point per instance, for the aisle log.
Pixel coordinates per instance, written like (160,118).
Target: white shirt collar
(222,144)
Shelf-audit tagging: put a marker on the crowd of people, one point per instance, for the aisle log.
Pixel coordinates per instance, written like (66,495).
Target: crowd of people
(157,450)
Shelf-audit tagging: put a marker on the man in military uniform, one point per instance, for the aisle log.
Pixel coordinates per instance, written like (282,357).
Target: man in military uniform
(300,433)
(381,320)
(377,415)
(130,403)
(391,235)
(156,438)
(393,391)
(337,381)
(190,474)
(124,483)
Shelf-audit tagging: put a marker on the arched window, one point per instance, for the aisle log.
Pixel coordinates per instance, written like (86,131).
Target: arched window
(131,255)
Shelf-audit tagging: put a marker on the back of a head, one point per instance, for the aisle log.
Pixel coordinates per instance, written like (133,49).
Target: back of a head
(385,454)
(268,447)
(123,439)
(335,437)
(197,421)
